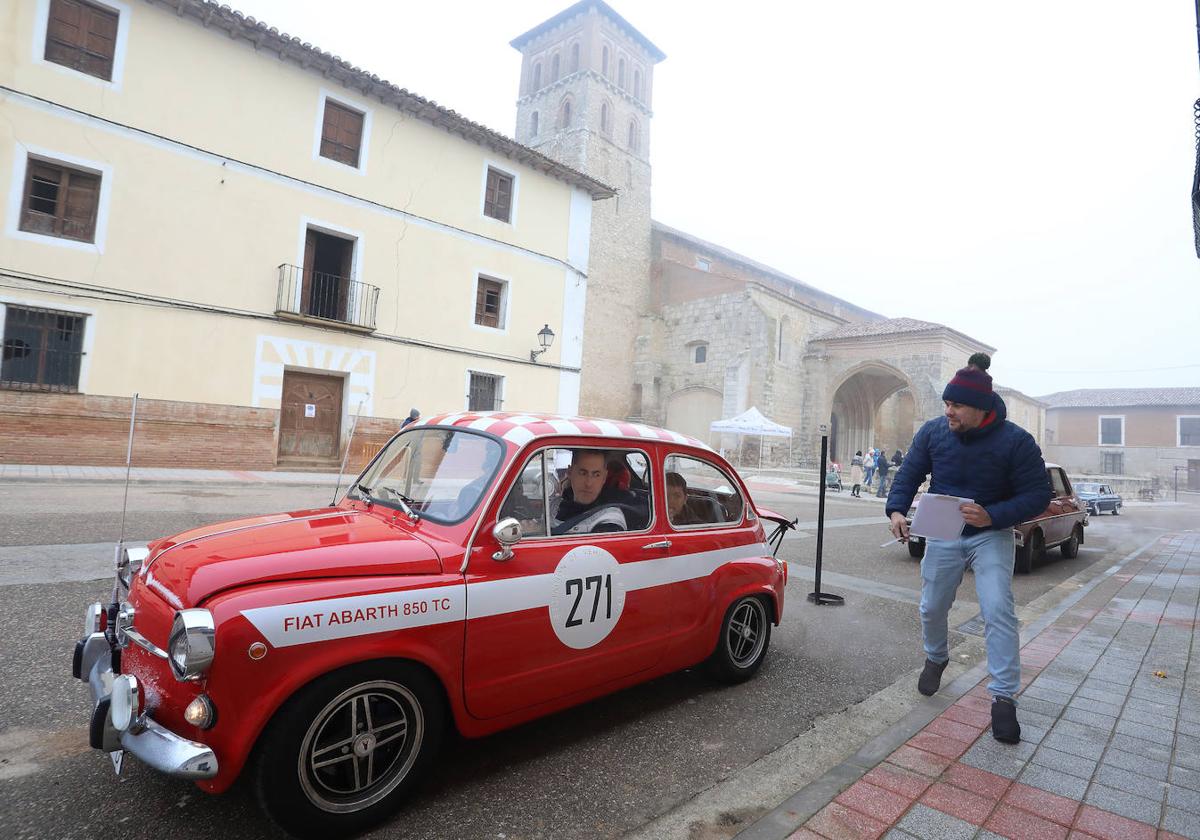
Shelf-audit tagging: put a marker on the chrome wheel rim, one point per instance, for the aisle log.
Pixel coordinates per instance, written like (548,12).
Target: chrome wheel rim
(360,746)
(746,634)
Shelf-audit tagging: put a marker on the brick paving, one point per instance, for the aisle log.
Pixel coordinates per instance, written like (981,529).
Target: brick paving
(1110,727)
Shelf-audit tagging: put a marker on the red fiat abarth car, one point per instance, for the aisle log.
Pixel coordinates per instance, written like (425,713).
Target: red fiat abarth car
(483,570)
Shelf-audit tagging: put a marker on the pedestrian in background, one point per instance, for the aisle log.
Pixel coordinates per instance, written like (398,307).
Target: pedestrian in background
(856,474)
(413,416)
(882,466)
(868,467)
(897,459)
(973,452)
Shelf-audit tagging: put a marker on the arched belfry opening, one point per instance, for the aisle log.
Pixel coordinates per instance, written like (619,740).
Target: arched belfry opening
(873,406)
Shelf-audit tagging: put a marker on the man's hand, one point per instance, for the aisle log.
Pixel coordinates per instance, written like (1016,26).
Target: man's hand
(899,526)
(975,515)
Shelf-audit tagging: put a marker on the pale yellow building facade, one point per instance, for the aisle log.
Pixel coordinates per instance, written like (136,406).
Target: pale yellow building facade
(232,248)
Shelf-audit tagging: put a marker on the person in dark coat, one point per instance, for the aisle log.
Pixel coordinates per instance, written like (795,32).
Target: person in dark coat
(897,458)
(974,452)
(413,417)
(881,467)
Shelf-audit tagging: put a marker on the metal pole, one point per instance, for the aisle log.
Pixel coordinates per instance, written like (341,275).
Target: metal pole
(346,456)
(817,596)
(128,464)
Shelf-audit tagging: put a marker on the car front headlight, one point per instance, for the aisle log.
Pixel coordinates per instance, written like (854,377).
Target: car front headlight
(192,643)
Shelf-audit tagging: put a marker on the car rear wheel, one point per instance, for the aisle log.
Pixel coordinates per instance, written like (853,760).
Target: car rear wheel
(1030,553)
(341,755)
(1070,549)
(742,645)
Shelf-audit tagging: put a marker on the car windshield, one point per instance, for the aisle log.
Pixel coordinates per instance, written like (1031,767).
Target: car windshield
(439,474)
(1087,488)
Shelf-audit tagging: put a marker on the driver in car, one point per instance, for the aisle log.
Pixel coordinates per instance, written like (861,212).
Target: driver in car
(587,505)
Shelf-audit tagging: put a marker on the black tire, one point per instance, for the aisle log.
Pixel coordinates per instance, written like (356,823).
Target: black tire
(1030,553)
(1070,549)
(916,549)
(1117,510)
(374,713)
(742,645)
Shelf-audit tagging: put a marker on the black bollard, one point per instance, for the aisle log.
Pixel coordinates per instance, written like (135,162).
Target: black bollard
(818,597)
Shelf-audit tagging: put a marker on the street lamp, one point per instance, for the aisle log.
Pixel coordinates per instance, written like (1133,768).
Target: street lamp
(545,338)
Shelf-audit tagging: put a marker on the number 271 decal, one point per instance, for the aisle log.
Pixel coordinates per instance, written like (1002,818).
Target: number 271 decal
(580,585)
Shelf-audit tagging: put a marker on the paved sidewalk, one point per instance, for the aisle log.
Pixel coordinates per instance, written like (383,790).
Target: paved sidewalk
(1110,726)
(56,472)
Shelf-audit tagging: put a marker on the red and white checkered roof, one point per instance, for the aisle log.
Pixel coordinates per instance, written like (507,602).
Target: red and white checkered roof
(519,429)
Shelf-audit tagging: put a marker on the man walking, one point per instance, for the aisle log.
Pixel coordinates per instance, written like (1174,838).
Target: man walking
(882,467)
(974,452)
(869,468)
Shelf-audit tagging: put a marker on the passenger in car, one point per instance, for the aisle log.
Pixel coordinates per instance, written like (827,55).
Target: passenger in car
(587,505)
(678,509)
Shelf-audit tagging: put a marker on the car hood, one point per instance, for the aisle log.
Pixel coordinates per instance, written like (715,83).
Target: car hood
(325,542)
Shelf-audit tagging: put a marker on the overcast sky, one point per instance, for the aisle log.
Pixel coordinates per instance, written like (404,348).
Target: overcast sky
(1018,171)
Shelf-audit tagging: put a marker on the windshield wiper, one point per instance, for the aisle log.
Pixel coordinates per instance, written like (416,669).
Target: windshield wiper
(364,492)
(405,501)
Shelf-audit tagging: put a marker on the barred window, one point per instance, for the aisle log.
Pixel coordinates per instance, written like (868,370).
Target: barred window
(497,199)
(60,201)
(341,133)
(484,392)
(82,36)
(43,349)
(1113,463)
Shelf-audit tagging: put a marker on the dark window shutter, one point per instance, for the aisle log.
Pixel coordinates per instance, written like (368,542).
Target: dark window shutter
(60,202)
(341,134)
(488,300)
(82,36)
(497,200)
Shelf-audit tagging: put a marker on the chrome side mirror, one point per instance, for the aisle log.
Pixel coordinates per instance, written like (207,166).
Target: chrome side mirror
(508,533)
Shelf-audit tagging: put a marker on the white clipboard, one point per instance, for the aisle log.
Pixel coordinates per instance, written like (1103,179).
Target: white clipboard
(938,517)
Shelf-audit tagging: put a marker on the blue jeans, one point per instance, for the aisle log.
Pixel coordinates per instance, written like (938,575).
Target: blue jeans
(991,555)
(868,474)
(882,484)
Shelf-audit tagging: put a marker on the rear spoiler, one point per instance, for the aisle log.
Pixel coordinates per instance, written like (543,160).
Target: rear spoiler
(782,526)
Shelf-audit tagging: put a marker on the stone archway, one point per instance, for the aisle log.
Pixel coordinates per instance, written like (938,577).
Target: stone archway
(868,396)
(692,411)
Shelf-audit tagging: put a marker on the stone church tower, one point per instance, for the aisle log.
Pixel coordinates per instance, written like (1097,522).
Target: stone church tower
(587,78)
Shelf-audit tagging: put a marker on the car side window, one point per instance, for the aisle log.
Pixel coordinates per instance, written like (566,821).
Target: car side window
(699,494)
(526,501)
(1057,483)
(584,490)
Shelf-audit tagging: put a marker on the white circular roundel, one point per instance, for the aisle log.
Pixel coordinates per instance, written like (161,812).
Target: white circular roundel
(588,596)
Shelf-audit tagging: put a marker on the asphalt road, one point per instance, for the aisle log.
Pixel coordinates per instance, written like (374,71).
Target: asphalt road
(600,770)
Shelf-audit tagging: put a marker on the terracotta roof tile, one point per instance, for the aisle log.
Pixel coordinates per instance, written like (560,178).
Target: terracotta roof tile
(1120,397)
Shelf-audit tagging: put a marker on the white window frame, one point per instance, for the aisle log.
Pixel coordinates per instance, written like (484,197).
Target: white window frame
(506,169)
(16,192)
(505,299)
(41,23)
(692,347)
(353,104)
(89,330)
(340,232)
(1179,418)
(501,384)
(703,263)
(1100,429)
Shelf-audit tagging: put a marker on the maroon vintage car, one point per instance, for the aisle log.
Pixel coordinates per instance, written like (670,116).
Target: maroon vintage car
(1060,525)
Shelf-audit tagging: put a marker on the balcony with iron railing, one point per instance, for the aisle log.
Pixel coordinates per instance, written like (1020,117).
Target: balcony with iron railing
(329,300)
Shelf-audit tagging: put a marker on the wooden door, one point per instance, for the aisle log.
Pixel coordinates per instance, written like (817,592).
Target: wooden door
(310,420)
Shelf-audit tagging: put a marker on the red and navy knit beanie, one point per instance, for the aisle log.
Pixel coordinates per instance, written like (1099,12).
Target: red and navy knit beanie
(972,385)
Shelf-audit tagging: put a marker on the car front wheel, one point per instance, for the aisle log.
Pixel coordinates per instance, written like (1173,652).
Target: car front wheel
(742,645)
(1117,510)
(340,756)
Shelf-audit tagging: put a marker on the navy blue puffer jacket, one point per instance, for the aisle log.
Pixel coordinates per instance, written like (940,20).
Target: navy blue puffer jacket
(998,465)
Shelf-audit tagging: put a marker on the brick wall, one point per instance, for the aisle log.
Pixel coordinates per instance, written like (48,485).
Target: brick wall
(94,430)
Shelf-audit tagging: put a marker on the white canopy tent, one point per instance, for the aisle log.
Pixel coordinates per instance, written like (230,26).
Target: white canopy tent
(751,422)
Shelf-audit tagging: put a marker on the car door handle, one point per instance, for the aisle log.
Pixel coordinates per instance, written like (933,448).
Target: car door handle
(659,544)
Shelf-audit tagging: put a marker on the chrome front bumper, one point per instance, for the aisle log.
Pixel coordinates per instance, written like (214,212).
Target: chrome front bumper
(153,744)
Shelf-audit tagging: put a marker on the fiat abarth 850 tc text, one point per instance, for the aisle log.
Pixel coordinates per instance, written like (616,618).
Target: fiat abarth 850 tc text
(484,570)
